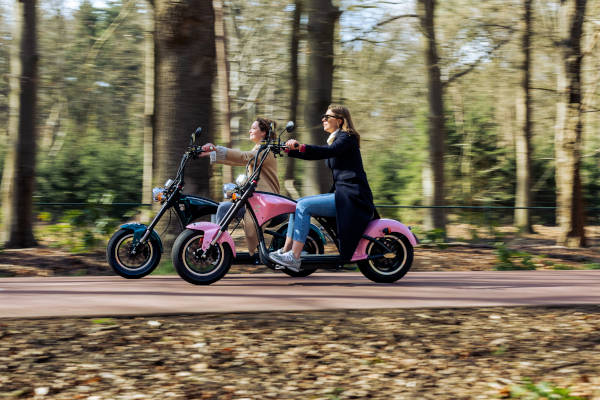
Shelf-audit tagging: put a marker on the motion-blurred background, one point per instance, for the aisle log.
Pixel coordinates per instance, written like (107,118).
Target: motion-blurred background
(489,107)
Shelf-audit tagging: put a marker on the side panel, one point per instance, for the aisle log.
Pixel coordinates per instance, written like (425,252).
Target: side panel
(267,206)
(210,231)
(375,229)
(198,207)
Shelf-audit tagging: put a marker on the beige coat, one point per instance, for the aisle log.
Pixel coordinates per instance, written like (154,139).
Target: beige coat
(268,182)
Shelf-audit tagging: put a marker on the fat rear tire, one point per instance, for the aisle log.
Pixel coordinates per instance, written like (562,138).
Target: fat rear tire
(388,270)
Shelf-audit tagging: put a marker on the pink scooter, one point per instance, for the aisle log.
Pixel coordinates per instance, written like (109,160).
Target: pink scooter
(203,253)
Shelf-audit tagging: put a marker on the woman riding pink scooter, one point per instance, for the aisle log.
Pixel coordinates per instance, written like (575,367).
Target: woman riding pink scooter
(382,248)
(350,200)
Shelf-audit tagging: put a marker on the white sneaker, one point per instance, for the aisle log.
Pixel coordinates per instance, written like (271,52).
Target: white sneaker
(279,251)
(287,259)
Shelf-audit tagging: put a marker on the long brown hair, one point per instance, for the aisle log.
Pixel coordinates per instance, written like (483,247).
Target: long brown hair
(264,124)
(343,113)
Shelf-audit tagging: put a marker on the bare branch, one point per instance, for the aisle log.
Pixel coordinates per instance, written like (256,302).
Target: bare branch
(95,49)
(361,39)
(544,89)
(474,65)
(379,24)
(394,18)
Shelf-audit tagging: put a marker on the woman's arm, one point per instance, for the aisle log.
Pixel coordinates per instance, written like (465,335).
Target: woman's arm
(237,157)
(224,155)
(313,152)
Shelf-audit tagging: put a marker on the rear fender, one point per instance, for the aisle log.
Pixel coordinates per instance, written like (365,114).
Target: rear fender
(138,231)
(210,231)
(378,228)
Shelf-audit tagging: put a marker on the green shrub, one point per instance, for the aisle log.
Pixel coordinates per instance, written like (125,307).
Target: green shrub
(509,259)
(74,232)
(534,391)
(436,237)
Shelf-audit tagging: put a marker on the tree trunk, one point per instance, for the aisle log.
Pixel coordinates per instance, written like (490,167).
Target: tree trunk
(223,83)
(19,176)
(433,178)
(570,210)
(185,45)
(466,155)
(523,133)
(149,82)
(322,16)
(294,45)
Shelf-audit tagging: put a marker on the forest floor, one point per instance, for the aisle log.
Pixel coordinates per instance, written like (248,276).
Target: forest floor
(442,353)
(537,250)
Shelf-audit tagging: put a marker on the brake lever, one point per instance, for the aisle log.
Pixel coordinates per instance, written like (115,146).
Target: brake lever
(195,151)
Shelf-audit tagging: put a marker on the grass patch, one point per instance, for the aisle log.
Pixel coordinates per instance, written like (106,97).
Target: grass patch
(561,267)
(538,391)
(103,321)
(165,268)
(592,266)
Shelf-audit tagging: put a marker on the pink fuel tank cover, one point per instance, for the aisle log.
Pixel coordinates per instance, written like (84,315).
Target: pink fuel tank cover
(267,206)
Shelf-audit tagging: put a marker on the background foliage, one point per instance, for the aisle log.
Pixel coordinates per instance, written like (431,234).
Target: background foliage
(91,96)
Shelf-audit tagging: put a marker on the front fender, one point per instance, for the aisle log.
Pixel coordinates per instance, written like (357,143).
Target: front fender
(210,231)
(138,231)
(378,228)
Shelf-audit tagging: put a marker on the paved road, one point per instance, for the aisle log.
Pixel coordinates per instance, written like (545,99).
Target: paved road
(103,296)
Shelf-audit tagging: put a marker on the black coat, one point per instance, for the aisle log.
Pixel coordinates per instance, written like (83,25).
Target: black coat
(353,197)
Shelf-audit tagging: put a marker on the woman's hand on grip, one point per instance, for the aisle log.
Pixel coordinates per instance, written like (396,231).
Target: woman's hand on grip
(207,148)
(292,144)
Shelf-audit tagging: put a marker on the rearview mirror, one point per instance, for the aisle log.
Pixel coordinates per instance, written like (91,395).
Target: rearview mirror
(195,135)
(290,126)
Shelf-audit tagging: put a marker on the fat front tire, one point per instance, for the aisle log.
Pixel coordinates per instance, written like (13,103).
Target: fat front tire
(388,269)
(195,267)
(126,264)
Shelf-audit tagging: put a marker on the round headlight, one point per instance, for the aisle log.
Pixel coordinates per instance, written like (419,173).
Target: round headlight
(158,194)
(241,179)
(228,189)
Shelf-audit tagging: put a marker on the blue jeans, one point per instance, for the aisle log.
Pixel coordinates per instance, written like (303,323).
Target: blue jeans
(322,205)
(224,206)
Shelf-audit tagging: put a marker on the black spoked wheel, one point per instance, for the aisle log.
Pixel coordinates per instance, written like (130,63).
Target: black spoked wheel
(388,267)
(195,266)
(127,263)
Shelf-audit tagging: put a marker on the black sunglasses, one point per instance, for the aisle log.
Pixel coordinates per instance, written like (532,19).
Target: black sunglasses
(326,117)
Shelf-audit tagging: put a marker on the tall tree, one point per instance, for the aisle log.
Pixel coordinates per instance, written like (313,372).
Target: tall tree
(19,172)
(223,83)
(322,17)
(149,83)
(433,171)
(185,44)
(295,83)
(523,133)
(568,141)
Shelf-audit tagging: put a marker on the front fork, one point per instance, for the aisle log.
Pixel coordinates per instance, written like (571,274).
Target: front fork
(140,237)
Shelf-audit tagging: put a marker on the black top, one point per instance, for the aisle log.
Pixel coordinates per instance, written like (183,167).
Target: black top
(353,197)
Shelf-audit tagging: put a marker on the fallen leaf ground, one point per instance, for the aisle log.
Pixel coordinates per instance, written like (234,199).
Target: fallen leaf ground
(485,353)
